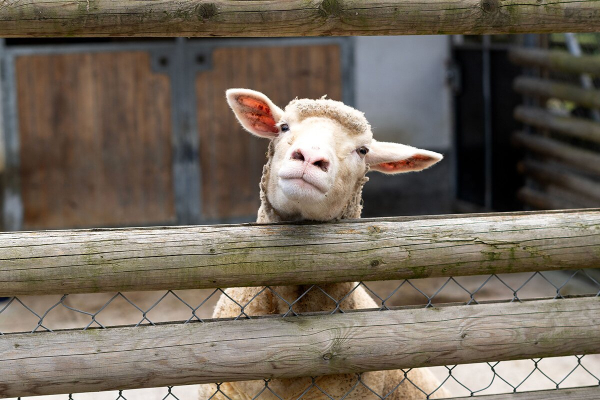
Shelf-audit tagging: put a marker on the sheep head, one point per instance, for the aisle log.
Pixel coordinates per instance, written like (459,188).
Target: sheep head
(320,152)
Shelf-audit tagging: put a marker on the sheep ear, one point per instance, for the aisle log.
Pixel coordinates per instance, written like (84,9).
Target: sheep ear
(394,158)
(257,114)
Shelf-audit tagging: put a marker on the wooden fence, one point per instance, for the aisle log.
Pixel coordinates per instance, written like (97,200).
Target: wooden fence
(564,162)
(284,254)
(392,248)
(293,18)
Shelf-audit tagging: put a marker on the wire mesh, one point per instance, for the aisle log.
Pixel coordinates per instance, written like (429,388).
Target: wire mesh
(49,313)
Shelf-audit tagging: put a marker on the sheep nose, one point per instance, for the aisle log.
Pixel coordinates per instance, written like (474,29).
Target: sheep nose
(312,156)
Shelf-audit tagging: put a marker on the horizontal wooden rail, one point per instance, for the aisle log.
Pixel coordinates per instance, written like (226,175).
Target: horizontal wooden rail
(546,173)
(575,198)
(545,201)
(580,393)
(556,60)
(585,160)
(572,126)
(28,18)
(81,261)
(564,91)
(124,358)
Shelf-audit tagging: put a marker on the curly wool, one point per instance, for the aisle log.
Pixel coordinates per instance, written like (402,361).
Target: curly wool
(350,118)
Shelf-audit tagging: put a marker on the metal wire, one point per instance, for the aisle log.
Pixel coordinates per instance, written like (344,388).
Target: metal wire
(192,306)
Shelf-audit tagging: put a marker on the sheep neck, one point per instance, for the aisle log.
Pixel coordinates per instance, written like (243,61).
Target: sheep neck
(313,300)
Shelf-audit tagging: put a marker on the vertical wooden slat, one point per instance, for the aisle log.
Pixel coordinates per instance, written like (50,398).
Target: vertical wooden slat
(317,68)
(240,195)
(333,74)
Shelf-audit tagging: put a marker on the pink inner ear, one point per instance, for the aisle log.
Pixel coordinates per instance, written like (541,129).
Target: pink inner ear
(410,163)
(257,114)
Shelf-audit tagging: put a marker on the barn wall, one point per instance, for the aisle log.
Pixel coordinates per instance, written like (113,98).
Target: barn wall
(139,133)
(80,163)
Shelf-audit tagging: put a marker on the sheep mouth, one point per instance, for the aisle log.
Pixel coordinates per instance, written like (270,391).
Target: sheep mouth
(302,182)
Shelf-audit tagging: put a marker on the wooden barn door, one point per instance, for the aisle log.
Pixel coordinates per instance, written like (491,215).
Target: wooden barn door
(134,134)
(95,140)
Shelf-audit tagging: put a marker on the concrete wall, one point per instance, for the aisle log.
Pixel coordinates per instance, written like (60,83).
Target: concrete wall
(401,87)
(2,139)
(2,94)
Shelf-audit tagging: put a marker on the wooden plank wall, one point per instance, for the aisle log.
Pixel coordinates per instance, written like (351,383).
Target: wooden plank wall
(96,132)
(231,159)
(95,140)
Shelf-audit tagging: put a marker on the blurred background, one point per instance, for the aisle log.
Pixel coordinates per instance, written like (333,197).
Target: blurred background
(109,132)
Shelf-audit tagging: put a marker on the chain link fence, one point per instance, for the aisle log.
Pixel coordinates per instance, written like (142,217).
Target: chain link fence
(79,311)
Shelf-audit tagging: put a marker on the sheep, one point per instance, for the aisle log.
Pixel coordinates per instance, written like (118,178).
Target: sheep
(318,156)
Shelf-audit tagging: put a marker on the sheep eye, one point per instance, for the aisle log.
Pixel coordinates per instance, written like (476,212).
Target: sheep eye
(363,150)
(285,127)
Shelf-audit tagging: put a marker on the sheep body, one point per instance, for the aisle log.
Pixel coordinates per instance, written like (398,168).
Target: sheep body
(336,386)
(345,125)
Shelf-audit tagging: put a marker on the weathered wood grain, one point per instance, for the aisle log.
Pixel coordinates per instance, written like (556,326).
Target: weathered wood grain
(581,393)
(123,358)
(572,126)
(564,91)
(106,260)
(584,160)
(29,18)
(556,60)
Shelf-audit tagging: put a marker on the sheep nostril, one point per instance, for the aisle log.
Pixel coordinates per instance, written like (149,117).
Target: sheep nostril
(324,165)
(297,155)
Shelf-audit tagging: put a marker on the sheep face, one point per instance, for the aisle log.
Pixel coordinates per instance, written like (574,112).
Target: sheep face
(315,168)
(322,150)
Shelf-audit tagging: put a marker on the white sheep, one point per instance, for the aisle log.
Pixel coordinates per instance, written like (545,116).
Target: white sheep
(319,154)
